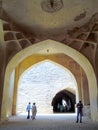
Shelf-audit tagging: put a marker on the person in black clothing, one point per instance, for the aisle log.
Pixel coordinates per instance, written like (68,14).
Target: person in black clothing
(79,111)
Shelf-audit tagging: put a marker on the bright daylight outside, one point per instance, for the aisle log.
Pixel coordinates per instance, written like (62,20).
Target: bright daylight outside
(40,83)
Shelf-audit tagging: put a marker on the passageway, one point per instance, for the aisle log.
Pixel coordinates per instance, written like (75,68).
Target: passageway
(40,84)
(64,102)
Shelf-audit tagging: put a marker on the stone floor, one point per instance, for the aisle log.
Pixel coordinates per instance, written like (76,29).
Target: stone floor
(48,122)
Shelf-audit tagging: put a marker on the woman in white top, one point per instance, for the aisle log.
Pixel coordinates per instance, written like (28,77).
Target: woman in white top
(34,111)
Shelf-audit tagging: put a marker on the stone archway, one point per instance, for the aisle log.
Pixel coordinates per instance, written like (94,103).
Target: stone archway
(50,47)
(70,101)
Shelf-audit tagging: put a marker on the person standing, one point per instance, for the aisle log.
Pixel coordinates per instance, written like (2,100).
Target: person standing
(34,111)
(28,108)
(79,111)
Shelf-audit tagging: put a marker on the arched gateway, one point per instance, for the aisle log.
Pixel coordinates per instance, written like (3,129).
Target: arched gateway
(47,47)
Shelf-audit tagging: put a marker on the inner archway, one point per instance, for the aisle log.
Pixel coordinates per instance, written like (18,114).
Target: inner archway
(40,83)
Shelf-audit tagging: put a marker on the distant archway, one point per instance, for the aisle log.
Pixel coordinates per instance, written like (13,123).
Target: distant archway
(64,102)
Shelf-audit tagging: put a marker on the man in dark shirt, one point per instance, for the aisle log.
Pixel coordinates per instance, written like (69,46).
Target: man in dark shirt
(79,111)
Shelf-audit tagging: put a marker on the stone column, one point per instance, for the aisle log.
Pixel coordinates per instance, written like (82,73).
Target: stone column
(15,91)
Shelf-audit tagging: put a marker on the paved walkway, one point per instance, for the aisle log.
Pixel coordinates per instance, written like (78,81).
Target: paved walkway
(49,122)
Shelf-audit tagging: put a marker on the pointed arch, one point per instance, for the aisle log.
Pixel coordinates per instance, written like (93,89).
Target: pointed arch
(50,84)
(52,47)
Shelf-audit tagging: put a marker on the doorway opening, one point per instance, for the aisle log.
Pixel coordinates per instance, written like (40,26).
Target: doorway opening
(40,83)
(64,102)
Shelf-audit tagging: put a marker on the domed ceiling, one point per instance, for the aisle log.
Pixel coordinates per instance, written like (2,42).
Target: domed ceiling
(49,17)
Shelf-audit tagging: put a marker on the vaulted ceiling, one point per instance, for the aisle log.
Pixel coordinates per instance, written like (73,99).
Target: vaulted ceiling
(49,18)
(72,22)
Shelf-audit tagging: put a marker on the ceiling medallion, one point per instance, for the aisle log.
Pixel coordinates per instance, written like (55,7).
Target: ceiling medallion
(51,5)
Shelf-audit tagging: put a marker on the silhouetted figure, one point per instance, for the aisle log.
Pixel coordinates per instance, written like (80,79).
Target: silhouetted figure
(28,110)
(34,111)
(79,111)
